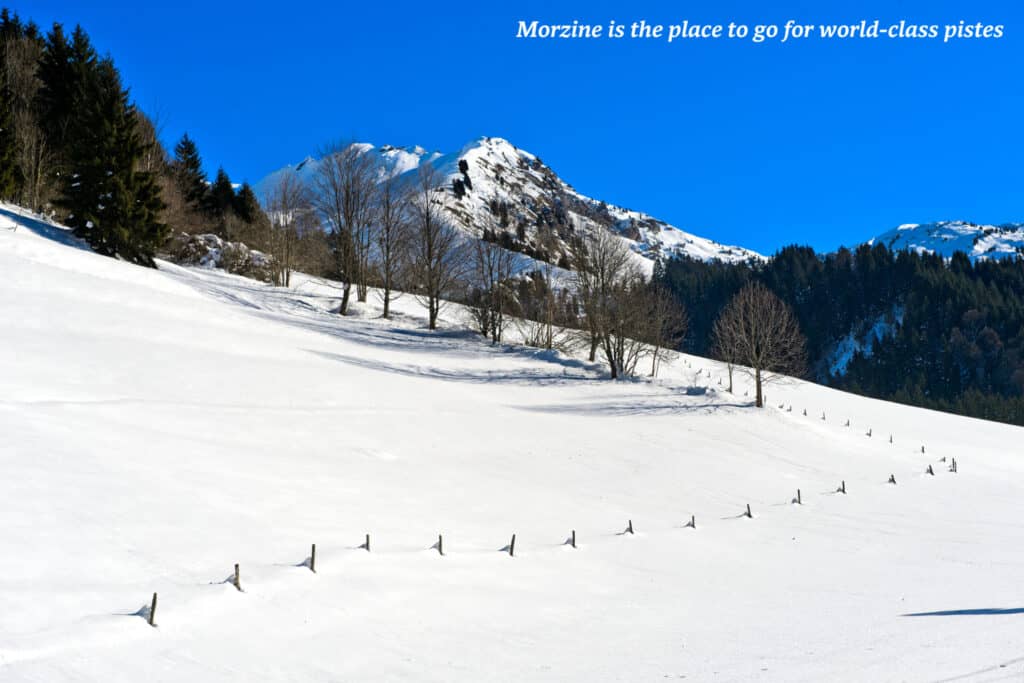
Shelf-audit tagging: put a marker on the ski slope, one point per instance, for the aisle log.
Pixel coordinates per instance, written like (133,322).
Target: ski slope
(160,426)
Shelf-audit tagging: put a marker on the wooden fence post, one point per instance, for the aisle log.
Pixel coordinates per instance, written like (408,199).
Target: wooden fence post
(748,515)
(512,547)
(152,612)
(573,538)
(312,559)
(238,578)
(440,544)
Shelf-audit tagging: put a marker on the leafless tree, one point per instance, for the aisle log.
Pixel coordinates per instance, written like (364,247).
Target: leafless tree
(609,284)
(759,331)
(289,209)
(343,189)
(493,270)
(391,235)
(438,254)
(665,323)
(35,157)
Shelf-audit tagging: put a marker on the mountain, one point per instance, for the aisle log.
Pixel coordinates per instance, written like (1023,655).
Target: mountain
(979,242)
(490,179)
(161,425)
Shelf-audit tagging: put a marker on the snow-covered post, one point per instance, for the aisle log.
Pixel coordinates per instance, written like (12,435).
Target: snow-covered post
(892,478)
(367,544)
(237,581)
(693,523)
(152,612)
(922,449)
(440,544)
(842,487)
(512,546)
(629,528)
(799,501)
(890,438)
(573,542)
(747,514)
(930,470)
(869,431)
(312,559)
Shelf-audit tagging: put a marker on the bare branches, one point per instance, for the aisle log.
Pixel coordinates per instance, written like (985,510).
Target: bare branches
(289,209)
(392,231)
(343,190)
(491,299)
(438,255)
(759,331)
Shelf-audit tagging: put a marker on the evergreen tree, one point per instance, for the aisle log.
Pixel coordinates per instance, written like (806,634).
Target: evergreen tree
(246,205)
(222,195)
(187,169)
(109,201)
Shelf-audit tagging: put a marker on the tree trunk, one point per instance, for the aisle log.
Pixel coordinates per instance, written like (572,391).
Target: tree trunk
(345,293)
(759,402)
(593,347)
(387,301)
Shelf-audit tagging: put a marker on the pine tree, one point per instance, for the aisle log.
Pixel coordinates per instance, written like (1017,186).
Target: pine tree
(246,205)
(222,195)
(187,169)
(109,201)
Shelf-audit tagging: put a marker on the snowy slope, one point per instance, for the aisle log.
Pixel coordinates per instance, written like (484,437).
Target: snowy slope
(532,196)
(160,426)
(946,237)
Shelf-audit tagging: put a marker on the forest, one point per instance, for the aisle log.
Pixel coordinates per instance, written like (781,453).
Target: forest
(953,331)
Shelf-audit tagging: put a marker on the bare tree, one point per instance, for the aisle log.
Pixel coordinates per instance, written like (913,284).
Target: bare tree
(609,283)
(759,331)
(35,157)
(289,209)
(666,323)
(491,299)
(391,236)
(343,189)
(438,258)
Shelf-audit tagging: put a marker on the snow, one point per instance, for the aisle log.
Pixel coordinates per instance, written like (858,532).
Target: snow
(881,327)
(499,170)
(979,242)
(161,425)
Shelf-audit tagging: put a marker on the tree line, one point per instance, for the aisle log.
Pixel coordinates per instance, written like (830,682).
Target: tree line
(953,335)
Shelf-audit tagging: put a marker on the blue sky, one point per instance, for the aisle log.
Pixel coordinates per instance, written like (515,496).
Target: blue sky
(820,143)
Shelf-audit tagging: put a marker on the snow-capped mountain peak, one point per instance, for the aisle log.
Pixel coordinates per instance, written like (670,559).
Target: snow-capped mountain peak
(494,185)
(979,242)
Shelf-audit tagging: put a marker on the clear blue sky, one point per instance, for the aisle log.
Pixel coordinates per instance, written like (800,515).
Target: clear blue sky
(820,143)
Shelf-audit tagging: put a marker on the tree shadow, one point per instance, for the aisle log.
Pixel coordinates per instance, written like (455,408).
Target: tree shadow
(978,612)
(41,227)
(533,377)
(616,409)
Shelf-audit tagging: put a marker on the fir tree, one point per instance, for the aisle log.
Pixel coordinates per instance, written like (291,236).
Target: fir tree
(246,205)
(187,169)
(109,201)
(222,195)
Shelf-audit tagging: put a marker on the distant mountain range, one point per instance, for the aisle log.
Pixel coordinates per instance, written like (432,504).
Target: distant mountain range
(491,176)
(947,237)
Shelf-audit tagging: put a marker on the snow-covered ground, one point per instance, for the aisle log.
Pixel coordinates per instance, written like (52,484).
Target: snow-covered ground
(160,426)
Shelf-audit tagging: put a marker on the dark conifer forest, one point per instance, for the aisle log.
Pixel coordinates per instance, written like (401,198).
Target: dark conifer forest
(947,335)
